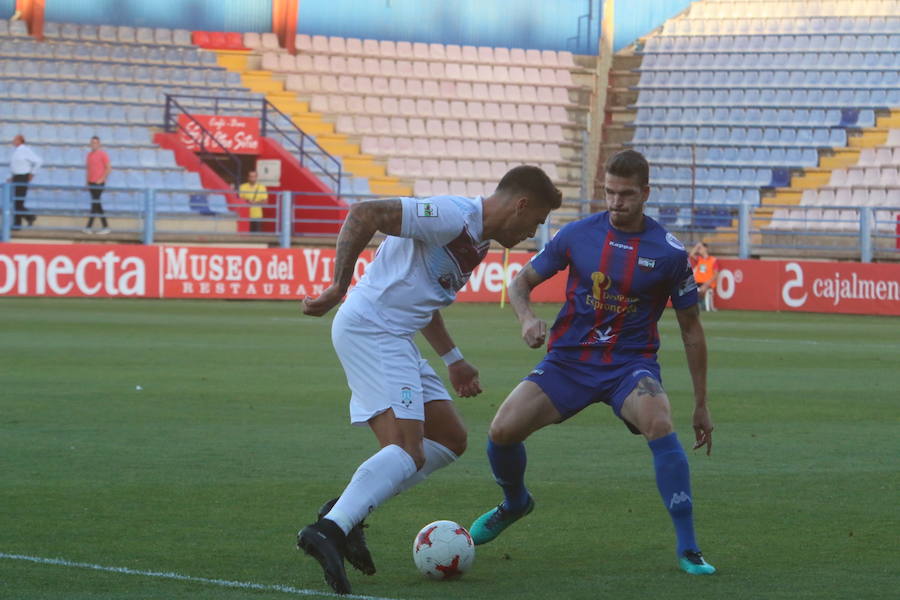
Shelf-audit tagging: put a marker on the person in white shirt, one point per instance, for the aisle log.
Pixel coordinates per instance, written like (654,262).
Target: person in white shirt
(432,247)
(23,166)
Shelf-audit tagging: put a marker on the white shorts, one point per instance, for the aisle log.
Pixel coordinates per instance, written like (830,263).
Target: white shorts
(384,370)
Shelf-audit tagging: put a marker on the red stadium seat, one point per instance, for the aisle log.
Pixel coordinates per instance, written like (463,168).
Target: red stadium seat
(234,41)
(216,39)
(200,38)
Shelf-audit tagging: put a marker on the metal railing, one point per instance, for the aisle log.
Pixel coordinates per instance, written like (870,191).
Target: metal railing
(863,233)
(272,123)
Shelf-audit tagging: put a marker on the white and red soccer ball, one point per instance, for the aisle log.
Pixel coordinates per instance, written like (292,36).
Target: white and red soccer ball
(443,550)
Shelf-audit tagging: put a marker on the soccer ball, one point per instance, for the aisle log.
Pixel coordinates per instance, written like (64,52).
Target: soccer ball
(443,550)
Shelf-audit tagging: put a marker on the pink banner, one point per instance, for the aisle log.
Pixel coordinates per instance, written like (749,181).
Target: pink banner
(238,135)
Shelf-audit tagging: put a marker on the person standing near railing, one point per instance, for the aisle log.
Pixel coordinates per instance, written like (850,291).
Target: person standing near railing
(23,165)
(706,271)
(256,194)
(98,170)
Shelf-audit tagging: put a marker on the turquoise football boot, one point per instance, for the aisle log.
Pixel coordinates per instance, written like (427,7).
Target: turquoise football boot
(693,563)
(492,523)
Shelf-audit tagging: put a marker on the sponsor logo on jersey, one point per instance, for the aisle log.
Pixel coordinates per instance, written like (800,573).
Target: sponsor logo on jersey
(537,372)
(602,299)
(646,263)
(620,245)
(426,209)
(674,242)
(406,396)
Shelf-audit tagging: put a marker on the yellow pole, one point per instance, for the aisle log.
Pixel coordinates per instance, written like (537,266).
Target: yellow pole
(503,283)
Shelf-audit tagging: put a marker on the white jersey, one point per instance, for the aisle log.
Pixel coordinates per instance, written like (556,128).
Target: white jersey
(420,271)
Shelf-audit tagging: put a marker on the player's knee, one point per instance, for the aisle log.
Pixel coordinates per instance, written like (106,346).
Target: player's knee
(503,434)
(658,425)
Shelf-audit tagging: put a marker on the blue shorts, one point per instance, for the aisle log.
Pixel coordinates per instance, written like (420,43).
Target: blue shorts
(573,385)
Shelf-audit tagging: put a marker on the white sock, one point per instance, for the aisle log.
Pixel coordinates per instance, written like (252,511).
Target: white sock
(376,480)
(436,457)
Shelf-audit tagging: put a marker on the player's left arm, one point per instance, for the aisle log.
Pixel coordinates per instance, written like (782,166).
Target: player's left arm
(694,340)
(463,375)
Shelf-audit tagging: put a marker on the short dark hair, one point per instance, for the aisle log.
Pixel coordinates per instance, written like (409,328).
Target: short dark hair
(629,164)
(531,181)
(95,137)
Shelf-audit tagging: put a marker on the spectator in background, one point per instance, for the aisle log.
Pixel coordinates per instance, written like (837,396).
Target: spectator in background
(256,195)
(98,170)
(706,270)
(23,166)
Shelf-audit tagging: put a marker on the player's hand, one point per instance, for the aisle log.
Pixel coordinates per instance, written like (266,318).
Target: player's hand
(703,428)
(464,378)
(534,332)
(316,307)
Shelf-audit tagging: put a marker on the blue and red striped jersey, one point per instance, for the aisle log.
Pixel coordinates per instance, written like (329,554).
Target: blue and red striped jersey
(619,284)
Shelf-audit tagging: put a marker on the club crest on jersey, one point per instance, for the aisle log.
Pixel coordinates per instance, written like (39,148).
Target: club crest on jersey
(674,242)
(406,396)
(426,209)
(646,264)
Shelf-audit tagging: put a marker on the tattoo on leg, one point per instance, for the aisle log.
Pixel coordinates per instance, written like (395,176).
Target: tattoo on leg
(649,387)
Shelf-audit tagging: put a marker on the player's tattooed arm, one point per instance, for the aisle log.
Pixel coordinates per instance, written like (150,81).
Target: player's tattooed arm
(363,221)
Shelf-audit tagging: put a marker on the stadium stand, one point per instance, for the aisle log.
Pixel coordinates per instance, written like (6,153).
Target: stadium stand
(108,81)
(756,101)
(440,118)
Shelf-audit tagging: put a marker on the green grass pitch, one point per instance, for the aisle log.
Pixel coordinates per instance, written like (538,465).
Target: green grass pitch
(239,431)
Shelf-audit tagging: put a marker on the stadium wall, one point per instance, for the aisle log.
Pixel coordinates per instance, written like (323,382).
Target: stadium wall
(203,15)
(94,270)
(635,19)
(540,24)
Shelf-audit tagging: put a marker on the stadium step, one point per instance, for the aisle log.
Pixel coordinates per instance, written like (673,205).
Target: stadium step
(811,179)
(261,81)
(362,165)
(890,120)
(233,60)
(389,186)
(312,123)
(868,138)
(839,158)
(338,143)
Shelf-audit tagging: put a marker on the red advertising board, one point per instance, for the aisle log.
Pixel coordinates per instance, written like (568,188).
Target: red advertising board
(102,271)
(119,270)
(238,135)
(827,287)
(210,272)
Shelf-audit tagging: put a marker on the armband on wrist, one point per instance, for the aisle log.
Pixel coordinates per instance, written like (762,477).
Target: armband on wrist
(451,357)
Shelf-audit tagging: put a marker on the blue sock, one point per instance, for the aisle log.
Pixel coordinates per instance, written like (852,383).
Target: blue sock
(673,478)
(508,465)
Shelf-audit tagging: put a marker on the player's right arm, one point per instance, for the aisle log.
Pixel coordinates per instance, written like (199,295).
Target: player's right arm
(534,330)
(363,221)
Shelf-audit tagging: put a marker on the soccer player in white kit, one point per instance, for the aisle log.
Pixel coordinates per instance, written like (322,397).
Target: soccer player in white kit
(431,248)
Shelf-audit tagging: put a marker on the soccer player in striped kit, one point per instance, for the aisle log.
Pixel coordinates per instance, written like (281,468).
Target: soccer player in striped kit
(623,269)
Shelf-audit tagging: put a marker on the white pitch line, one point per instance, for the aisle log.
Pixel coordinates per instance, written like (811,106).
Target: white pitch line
(179,577)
